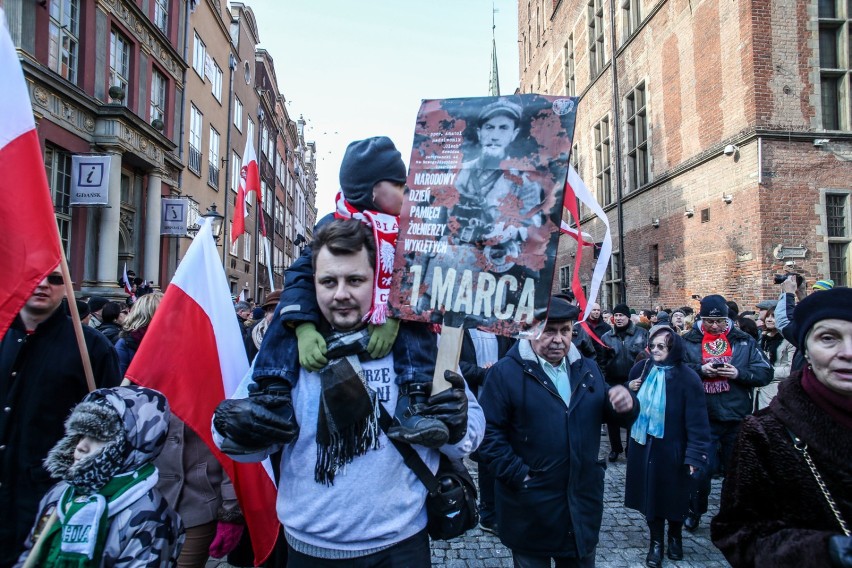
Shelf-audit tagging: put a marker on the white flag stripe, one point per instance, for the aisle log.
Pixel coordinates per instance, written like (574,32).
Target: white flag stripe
(201,276)
(584,195)
(15,108)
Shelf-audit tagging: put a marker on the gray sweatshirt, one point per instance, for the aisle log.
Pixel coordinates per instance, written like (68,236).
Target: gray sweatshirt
(376,501)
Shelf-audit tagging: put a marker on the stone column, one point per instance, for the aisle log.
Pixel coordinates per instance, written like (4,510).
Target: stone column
(107,272)
(151,271)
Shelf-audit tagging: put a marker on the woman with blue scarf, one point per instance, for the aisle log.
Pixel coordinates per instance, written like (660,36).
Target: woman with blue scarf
(670,441)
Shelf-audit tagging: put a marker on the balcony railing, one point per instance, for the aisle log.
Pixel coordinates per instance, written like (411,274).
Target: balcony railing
(195,159)
(213,176)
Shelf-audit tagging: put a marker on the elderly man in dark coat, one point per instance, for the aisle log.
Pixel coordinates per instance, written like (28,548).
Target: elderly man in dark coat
(544,404)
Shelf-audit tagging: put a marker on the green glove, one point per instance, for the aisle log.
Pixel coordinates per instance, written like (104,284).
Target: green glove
(382,338)
(311,347)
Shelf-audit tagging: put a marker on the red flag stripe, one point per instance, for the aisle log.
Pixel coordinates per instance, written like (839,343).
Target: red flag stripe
(29,238)
(193,353)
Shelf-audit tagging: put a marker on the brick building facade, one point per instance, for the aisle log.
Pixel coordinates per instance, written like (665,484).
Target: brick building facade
(718,142)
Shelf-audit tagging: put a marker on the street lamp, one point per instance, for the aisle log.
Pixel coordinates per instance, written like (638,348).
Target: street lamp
(216,220)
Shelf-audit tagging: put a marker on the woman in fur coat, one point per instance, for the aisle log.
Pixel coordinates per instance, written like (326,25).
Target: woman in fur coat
(773,511)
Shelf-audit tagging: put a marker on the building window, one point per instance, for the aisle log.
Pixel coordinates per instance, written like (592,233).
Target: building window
(564,279)
(235,243)
(247,246)
(637,137)
(64,38)
(570,85)
(250,131)
(612,282)
(597,57)
(631,18)
(654,262)
(196,123)
(834,31)
(238,114)
(216,81)
(264,139)
(261,250)
(119,64)
(161,15)
(236,166)
(199,56)
(603,165)
(158,97)
(213,159)
(58,167)
(837,221)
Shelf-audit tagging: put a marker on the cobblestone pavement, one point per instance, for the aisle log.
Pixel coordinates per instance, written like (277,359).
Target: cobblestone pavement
(623,539)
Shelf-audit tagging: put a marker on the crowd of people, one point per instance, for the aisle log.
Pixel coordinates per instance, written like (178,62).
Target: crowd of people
(340,393)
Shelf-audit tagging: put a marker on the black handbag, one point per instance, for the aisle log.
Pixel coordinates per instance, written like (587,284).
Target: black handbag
(451,502)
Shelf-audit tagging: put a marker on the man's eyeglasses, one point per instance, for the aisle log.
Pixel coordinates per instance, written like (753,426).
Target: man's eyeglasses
(659,347)
(55,279)
(714,321)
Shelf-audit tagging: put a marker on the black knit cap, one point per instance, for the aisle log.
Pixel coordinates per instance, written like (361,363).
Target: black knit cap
(562,310)
(366,163)
(828,304)
(713,306)
(622,309)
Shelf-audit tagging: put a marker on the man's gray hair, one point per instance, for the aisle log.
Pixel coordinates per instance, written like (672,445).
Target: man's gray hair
(240,306)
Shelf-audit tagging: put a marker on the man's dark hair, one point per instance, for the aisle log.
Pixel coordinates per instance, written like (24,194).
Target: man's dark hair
(733,309)
(343,237)
(749,326)
(110,312)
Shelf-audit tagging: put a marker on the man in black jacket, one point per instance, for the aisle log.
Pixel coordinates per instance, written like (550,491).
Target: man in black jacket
(625,341)
(41,379)
(730,366)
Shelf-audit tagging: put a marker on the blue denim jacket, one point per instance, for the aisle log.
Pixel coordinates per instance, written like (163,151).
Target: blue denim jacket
(414,352)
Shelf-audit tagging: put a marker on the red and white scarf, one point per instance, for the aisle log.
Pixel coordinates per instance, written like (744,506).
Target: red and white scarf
(385,230)
(715,349)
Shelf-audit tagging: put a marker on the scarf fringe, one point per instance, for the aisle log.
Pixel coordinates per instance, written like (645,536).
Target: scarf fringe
(716,386)
(345,446)
(379,314)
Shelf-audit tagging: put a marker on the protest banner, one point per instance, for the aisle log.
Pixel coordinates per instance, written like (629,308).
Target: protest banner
(480,222)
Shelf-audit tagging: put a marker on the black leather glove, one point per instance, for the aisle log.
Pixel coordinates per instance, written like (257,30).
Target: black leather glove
(256,423)
(840,551)
(450,407)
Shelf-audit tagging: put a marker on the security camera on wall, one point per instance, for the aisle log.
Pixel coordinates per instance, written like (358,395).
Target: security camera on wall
(730,150)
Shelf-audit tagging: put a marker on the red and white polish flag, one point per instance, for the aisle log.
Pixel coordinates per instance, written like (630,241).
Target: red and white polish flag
(193,353)
(249,183)
(575,190)
(29,238)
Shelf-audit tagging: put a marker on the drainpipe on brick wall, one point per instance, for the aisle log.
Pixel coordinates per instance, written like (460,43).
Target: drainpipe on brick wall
(616,131)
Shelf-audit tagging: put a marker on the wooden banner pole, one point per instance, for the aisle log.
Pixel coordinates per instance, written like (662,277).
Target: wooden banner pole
(78,325)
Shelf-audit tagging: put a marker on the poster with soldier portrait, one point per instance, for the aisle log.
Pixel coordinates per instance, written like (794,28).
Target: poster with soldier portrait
(480,221)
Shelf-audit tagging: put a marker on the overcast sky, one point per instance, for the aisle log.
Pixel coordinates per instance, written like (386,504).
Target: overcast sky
(359,68)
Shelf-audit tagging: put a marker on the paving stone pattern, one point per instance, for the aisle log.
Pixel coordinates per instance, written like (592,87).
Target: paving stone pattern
(623,539)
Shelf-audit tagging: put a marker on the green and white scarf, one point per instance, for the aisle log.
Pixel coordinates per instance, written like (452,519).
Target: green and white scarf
(78,538)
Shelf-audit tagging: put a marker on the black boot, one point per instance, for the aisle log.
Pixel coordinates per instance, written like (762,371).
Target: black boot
(675,551)
(409,425)
(655,554)
(692,521)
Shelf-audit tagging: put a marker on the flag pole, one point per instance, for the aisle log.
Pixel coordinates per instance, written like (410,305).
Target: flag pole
(75,317)
(269,264)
